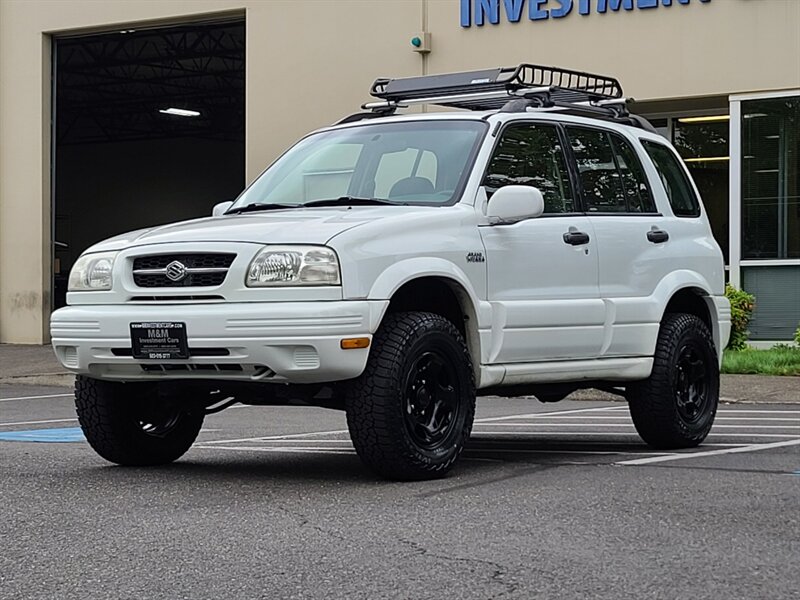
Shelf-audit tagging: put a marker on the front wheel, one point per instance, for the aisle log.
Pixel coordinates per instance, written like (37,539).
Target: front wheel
(410,413)
(132,424)
(676,405)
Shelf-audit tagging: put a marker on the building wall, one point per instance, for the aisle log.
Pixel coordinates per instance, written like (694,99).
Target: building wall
(311,61)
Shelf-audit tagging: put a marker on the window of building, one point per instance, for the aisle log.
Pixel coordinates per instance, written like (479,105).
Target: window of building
(771,178)
(531,154)
(679,190)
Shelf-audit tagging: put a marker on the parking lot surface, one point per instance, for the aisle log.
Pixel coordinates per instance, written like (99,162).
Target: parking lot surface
(553,501)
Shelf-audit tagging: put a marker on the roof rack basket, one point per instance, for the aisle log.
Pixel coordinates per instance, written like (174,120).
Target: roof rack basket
(491,89)
(508,89)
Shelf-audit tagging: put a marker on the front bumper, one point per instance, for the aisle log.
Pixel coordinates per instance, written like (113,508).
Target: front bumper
(288,342)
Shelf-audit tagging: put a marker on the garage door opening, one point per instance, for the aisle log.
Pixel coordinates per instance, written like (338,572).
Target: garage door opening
(149,129)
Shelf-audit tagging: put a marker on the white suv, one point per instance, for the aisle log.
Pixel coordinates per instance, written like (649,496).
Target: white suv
(543,240)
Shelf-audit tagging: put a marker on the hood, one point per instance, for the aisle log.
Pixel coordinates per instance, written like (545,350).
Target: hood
(292,226)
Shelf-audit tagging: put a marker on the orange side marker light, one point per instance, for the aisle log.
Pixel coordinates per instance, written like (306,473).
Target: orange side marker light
(354,343)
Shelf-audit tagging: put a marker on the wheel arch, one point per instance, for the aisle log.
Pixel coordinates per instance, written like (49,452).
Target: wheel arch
(697,301)
(444,295)
(691,300)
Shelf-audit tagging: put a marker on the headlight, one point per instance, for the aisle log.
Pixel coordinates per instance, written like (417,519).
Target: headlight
(92,272)
(294,265)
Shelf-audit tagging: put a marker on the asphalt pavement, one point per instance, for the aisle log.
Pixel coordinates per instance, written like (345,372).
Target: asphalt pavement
(549,501)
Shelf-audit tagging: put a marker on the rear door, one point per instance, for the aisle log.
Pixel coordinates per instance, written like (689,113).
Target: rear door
(542,272)
(633,245)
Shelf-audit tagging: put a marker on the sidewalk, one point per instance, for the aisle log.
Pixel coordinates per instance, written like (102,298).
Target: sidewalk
(32,365)
(37,365)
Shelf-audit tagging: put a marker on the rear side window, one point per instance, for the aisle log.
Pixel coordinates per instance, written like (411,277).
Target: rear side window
(679,189)
(611,175)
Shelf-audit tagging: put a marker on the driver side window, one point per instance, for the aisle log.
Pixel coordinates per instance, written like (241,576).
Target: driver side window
(531,154)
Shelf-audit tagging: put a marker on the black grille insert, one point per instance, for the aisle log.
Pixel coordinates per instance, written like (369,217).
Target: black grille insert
(193,352)
(159,262)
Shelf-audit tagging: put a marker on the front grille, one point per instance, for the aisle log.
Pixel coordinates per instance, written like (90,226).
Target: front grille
(201,270)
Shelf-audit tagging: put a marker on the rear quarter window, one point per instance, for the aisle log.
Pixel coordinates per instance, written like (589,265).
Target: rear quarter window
(682,198)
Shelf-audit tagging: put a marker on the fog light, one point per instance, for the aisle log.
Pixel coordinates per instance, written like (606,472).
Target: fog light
(354,343)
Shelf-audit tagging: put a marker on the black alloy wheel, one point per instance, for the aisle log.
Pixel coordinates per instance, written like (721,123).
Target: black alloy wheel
(410,412)
(133,423)
(675,407)
(690,383)
(431,393)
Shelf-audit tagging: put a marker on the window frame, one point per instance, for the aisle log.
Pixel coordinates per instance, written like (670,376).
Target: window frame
(558,126)
(633,146)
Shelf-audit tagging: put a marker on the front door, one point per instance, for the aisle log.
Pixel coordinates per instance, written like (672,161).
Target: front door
(543,272)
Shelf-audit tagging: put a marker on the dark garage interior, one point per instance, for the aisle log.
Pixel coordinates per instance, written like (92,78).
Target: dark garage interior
(149,129)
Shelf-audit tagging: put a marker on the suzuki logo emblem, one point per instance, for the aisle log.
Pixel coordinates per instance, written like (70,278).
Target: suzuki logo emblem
(176,271)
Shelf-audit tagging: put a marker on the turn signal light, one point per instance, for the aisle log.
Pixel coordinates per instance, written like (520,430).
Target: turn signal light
(354,343)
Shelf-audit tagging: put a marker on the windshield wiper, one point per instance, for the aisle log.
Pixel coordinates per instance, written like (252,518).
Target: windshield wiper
(350,201)
(256,206)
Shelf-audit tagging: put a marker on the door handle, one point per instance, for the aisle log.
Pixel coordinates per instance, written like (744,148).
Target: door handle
(576,238)
(657,236)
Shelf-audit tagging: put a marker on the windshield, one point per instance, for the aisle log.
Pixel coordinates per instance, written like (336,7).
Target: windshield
(420,162)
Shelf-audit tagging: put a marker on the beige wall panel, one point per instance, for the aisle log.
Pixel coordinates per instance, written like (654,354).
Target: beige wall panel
(311,63)
(698,49)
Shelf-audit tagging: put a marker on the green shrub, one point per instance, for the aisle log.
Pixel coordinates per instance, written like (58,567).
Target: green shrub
(742,305)
(797,335)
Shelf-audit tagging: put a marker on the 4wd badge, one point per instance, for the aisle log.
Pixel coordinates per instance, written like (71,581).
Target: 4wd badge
(475,257)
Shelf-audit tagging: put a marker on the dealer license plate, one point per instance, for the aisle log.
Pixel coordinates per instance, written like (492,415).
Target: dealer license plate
(159,340)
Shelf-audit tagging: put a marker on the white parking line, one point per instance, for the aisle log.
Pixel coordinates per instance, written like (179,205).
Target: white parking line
(549,414)
(749,448)
(36,397)
(276,437)
(628,418)
(310,450)
(37,422)
(620,433)
(557,424)
(767,412)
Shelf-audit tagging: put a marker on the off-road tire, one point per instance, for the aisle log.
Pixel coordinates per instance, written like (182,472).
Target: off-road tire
(657,409)
(378,407)
(111,415)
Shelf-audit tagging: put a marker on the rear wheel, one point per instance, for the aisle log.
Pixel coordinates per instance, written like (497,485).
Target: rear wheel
(676,405)
(132,424)
(410,413)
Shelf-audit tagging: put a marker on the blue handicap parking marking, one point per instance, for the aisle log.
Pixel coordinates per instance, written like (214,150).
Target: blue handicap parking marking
(65,434)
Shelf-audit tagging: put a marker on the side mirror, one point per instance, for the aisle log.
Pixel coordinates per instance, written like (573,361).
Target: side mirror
(219,209)
(514,203)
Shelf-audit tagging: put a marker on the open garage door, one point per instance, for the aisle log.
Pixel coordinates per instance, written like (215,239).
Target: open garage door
(149,129)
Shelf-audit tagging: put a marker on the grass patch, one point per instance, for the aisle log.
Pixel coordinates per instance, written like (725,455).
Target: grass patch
(781,360)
